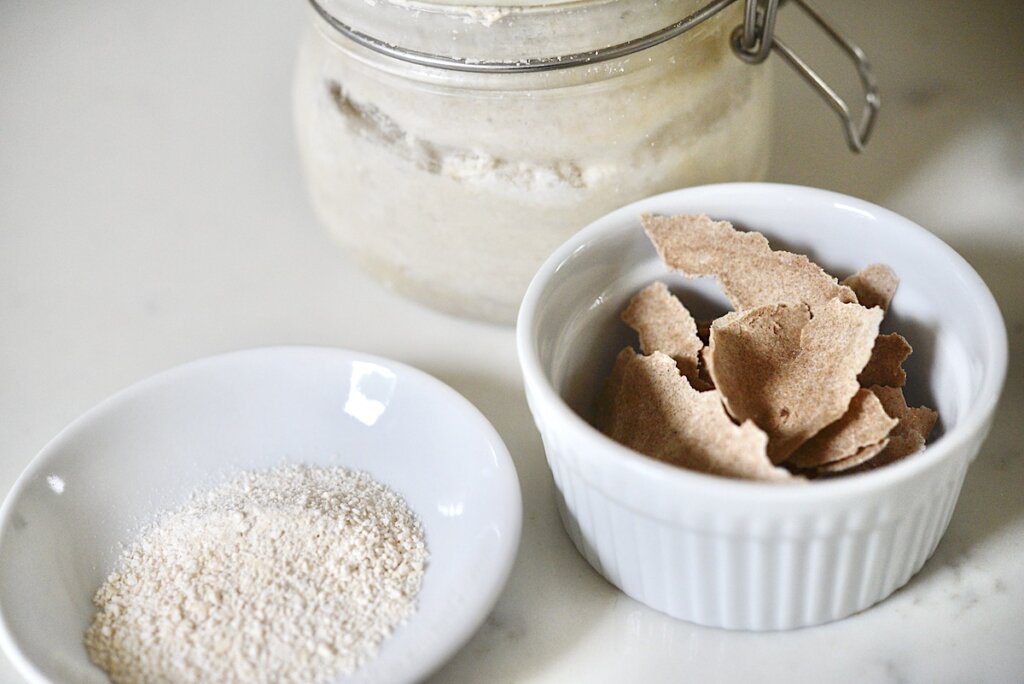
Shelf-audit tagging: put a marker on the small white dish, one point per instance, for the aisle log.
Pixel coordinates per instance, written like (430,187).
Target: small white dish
(148,447)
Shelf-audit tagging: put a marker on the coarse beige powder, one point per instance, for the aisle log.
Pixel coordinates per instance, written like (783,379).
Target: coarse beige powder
(293,574)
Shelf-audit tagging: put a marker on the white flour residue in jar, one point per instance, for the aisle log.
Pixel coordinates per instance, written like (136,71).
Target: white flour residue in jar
(453,187)
(459,164)
(293,574)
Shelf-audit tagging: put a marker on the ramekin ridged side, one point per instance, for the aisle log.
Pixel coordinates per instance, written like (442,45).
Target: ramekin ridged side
(776,571)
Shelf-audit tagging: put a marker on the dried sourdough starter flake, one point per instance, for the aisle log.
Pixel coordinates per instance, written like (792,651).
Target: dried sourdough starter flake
(874,285)
(664,325)
(800,358)
(862,432)
(293,574)
(750,272)
(656,412)
(792,369)
(885,367)
(862,456)
(909,436)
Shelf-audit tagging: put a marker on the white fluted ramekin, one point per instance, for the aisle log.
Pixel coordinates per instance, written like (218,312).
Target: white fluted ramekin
(747,555)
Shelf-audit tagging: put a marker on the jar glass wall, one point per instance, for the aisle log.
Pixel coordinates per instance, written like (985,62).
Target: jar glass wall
(453,187)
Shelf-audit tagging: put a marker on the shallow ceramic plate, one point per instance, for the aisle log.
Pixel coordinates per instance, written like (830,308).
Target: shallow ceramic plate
(146,448)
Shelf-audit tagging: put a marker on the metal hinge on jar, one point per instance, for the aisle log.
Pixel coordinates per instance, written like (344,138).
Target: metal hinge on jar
(752,42)
(755,39)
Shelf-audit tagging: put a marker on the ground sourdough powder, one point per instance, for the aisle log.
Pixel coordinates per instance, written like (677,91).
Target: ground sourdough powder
(293,574)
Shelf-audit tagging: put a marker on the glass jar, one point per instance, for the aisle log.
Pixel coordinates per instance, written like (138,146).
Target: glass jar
(452,187)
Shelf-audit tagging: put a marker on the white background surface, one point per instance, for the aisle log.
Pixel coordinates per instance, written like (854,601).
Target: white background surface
(152,212)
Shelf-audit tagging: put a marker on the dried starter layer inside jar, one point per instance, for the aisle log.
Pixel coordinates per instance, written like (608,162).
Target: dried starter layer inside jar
(454,187)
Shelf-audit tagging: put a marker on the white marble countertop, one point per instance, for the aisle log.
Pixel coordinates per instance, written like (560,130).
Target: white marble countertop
(152,212)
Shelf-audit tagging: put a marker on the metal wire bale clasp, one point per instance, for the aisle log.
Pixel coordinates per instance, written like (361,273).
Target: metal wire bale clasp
(755,39)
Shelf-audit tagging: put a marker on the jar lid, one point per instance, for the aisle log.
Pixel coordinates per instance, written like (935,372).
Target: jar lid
(513,31)
(529,37)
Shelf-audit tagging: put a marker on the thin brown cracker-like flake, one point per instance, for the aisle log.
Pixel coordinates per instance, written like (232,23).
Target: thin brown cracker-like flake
(791,368)
(885,367)
(663,324)
(864,426)
(874,285)
(910,435)
(750,273)
(861,457)
(656,412)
